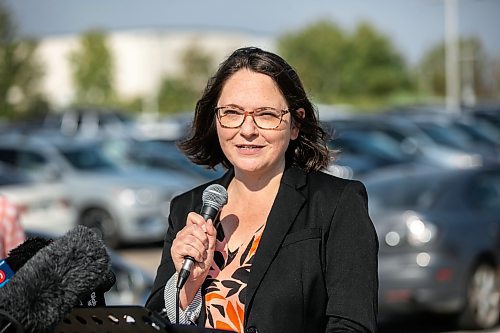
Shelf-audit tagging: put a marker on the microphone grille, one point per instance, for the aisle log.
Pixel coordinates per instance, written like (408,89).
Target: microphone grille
(215,196)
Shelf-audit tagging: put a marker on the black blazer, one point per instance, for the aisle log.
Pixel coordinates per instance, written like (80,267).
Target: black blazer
(315,269)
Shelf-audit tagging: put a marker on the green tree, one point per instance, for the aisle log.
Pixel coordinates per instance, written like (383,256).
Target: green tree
(472,69)
(374,67)
(92,67)
(336,65)
(175,96)
(317,53)
(197,66)
(20,71)
(181,93)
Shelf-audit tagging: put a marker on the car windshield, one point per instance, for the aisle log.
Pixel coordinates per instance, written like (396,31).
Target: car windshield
(10,176)
(7,179)
(447,136)
(404,192)
(371,143)
(87,158)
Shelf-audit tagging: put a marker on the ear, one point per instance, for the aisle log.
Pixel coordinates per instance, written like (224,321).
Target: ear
(294,133)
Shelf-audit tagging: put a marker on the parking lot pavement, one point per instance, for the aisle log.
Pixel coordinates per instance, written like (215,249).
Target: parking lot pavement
(146,258)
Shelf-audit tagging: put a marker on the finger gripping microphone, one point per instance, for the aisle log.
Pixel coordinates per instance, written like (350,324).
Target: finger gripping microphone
(214,197)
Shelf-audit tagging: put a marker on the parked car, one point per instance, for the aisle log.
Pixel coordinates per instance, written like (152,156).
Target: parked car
(411,141)
(127,206)
(42,206)
(363,151)
(155,154)
(439,235)
(132,286)
(489,113)
(89,122)
(460,132)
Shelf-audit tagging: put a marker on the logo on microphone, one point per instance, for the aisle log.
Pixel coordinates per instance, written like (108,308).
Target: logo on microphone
(5,273)
(92,302)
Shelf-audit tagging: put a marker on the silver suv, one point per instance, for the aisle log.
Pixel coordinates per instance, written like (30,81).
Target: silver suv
(124,205)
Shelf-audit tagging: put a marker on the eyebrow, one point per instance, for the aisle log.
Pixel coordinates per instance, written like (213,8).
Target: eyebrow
(243,109)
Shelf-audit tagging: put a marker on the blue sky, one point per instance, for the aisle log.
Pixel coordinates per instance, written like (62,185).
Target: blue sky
(413,25)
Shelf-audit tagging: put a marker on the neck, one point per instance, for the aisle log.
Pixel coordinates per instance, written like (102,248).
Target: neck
(251,182)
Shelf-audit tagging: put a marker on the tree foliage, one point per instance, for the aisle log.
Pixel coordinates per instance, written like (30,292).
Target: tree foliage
(181,94)
(334,64)
(92,69)
(176,95)
(473,61)
(20,71)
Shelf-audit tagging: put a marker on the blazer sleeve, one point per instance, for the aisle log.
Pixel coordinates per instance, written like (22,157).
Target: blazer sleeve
(166,268)
(352,264)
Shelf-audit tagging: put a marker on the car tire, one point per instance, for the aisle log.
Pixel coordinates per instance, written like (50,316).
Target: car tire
(482,307)
(101,222)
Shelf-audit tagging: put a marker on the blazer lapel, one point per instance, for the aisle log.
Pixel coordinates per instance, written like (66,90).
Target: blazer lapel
(286,206)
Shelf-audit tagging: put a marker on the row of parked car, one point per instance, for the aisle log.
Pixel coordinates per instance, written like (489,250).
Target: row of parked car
(91,183)
(433,181)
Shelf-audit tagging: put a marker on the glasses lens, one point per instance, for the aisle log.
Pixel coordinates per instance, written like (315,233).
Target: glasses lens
(267,118)
(230,117)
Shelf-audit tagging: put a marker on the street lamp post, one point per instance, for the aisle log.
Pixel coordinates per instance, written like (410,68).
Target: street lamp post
(452,55)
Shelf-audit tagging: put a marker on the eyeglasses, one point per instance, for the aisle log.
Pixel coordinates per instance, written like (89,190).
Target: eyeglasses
(263,118)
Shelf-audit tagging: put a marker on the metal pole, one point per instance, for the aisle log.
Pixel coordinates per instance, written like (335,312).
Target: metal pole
(452,57)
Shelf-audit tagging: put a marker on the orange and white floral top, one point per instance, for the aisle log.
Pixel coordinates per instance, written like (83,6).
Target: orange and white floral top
(225,286)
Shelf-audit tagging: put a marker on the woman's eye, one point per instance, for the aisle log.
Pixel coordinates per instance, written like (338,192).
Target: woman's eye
(267,113)
(230,112)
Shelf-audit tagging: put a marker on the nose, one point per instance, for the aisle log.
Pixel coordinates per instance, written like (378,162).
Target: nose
(248,127)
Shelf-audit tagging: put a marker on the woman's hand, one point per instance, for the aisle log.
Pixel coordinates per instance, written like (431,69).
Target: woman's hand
(196,239)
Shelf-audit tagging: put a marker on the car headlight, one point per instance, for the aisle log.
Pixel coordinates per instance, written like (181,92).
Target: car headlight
(415,232)
(139,197)
(419,232)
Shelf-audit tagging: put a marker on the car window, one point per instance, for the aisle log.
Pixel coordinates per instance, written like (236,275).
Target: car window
(8,177)
(485,192)
(404,193)
(8,156)
(87,159)
(31,161)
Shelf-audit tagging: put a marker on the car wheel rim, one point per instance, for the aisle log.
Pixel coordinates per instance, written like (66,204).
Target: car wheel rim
(484,296)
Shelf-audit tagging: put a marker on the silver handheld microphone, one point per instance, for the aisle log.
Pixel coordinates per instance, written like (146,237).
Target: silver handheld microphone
(214,197)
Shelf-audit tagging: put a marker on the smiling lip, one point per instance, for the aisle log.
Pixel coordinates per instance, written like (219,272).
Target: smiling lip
(248,149)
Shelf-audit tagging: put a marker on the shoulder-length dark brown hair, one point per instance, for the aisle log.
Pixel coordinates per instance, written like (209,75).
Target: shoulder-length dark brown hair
(308,151)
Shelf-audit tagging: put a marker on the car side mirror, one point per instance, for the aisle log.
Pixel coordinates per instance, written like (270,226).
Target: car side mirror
(52,173)
(410,147)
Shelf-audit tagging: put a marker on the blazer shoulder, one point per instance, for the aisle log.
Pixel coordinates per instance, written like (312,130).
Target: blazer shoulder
(333,184)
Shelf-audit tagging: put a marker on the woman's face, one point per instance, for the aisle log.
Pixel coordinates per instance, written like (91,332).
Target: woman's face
(249,148)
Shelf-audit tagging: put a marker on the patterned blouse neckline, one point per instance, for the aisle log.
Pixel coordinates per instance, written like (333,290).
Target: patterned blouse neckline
(225,286)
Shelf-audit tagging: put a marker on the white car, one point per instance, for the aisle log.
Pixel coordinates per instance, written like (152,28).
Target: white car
(42,206)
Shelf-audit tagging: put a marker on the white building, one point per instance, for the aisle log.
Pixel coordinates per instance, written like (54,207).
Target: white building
(141,58)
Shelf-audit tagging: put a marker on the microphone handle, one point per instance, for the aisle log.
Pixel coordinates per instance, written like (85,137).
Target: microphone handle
(208,213)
